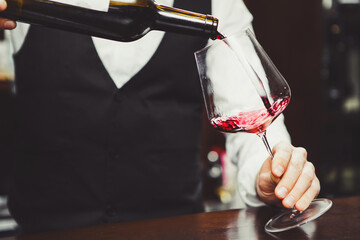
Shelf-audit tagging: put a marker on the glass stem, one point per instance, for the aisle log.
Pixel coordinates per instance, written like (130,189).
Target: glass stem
(262,135)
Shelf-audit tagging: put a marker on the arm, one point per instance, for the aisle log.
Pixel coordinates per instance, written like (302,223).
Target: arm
(5,23)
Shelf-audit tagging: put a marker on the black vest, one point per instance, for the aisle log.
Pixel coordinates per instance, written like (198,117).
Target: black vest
(90,153)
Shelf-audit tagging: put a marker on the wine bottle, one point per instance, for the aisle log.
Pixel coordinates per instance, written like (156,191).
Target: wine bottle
(124,20)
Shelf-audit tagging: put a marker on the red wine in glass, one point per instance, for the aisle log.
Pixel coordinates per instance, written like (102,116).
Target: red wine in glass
(254,121)
(257,84)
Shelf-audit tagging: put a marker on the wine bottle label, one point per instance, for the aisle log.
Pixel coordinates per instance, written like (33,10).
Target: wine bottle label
(98,5)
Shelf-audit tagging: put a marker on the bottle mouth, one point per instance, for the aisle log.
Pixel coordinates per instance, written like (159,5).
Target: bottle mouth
(211,28)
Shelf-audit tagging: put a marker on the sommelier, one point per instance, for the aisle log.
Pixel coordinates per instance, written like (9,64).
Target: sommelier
(110,131)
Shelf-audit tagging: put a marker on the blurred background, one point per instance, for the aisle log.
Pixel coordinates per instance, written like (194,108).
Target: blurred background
(316,46)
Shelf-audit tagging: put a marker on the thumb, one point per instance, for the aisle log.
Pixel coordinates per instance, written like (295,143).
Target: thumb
(266,183)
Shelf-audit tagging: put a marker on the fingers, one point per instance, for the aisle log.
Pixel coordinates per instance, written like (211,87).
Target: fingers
(5,23)
(282,156)
(299,184)
(2,5)
(304,202)
(294,169)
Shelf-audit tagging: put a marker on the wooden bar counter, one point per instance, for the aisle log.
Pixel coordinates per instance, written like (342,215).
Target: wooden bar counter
(342,221)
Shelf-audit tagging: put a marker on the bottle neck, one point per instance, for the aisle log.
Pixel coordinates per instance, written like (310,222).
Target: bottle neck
(185,22)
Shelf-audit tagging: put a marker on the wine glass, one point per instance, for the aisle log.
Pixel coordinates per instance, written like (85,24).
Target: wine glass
(244,92)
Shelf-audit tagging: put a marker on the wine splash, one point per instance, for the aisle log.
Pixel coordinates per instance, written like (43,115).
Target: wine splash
(258,84)
(267,105)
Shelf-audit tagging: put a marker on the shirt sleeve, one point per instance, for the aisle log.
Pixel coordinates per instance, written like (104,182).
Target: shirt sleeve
(246,150)
(232,14)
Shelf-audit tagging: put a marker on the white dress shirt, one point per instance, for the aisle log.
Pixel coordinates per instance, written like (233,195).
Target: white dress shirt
(123,60)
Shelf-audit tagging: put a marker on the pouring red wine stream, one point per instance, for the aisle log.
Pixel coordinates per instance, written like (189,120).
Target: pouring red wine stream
(255,121)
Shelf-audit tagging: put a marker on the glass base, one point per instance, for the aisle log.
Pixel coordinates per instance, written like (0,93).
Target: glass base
(292,218)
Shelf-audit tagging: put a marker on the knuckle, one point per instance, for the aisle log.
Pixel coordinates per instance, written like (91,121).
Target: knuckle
(281,160)
(263,177)
(283,152)
(285,147)
(298,159)
(311,166)
(308,176)
(297,163)
(316,185)
(301,151)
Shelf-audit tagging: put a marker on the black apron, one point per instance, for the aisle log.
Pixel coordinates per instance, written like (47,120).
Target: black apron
(90,153)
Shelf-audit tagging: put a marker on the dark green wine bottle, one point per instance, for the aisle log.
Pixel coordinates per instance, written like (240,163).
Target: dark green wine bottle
(124,21)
